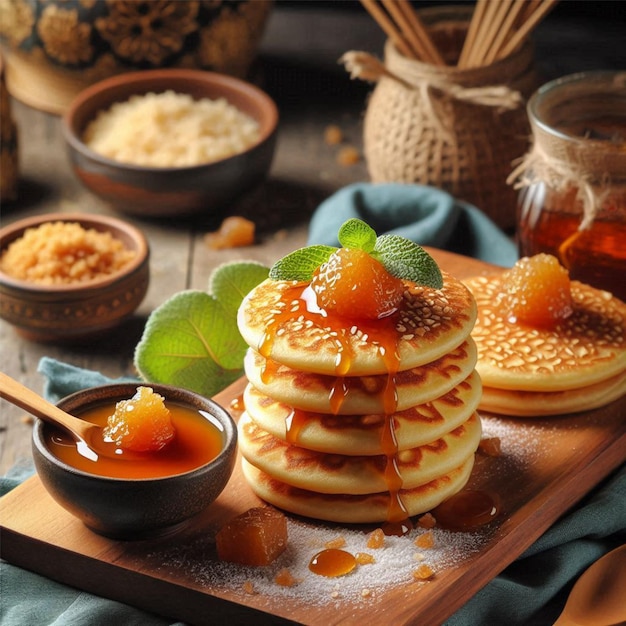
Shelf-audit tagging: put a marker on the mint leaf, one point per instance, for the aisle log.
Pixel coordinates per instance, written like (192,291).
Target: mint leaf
(405,259)
(192,339)
(300,264)
(357,234)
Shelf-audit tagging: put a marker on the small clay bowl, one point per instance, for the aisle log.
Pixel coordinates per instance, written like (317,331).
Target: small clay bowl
(159,192)
(78,311)
(136,508)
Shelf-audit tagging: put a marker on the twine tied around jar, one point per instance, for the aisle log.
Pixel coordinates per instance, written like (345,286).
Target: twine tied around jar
(567,151)
(539,166)
(366,66)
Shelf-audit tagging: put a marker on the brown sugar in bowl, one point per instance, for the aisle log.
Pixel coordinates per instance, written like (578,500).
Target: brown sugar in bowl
(79,310)
(207,188)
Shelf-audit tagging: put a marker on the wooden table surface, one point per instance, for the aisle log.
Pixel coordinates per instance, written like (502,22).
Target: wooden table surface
(298,67)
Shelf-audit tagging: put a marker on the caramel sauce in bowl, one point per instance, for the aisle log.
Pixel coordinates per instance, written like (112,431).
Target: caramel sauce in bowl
(148,496)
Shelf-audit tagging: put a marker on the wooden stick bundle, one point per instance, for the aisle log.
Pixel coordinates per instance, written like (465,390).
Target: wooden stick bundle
(496,30)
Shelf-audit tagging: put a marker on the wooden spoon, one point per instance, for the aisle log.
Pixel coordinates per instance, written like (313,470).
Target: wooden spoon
(86,434)
(599,596)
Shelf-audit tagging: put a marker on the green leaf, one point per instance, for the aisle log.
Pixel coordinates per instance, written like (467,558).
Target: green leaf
(405,259)
(300,264)
(230,282)
(192,339)
(357,234)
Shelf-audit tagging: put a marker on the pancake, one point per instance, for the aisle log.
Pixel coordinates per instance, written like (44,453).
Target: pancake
(358,474)
(343,434)
(537,403)
(588,347)
(428,324)
(355,508)
(360,395)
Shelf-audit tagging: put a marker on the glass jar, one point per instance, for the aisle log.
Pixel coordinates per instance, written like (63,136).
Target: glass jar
(572,200)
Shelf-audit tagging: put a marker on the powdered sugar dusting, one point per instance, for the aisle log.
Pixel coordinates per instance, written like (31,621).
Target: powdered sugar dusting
(521,441)
(393,564)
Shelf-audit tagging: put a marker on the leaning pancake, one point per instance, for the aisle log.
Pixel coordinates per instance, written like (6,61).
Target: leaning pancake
(343,434)
(358,395)
(538,403)
(428,324)
(355,508)
(355,474)
(587,347)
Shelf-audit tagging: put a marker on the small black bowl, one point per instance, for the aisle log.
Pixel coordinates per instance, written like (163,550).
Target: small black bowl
(136,508)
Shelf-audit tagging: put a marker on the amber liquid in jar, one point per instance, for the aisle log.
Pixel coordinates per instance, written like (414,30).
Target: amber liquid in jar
(549,220)
(596,256)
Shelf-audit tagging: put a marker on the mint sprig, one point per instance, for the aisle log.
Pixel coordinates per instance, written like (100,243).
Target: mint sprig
(407,260)
(300,264)
(400,256)
(192,339)
(357,234)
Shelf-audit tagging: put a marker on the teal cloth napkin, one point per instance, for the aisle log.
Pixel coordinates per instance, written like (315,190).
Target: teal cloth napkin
(531,591)
(425,215)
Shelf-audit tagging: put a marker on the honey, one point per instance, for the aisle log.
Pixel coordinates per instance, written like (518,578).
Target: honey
(198,440)
(332,562)
(595,256)
(467,509)
(572,202)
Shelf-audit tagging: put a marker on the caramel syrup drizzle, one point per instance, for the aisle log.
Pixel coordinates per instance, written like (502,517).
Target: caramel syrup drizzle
(298,304)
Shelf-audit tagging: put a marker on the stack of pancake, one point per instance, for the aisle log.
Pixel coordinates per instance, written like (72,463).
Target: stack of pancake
(359,421)
(578,365)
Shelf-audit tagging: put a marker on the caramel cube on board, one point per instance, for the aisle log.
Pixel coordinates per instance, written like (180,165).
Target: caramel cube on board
(256,537)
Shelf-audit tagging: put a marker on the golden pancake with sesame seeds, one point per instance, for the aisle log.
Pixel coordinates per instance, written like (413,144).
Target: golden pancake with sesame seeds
(356,508)
(587,347)
(279,320)
(350,434)
(355,473)
(362,395)
(537,403)
(359,395)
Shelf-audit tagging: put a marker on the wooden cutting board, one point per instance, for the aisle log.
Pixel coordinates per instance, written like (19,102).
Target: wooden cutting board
(547,465)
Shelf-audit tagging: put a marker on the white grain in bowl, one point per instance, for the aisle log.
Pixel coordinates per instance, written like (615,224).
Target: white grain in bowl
(170,129)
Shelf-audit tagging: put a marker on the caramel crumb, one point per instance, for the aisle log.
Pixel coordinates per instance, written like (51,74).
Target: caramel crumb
(284,578)
(376,539)
(366,593)
(338,542)
(255,537)
(27,419)
(248,588)
(425,540)
(363,558)
(237,404)
(234,232)
(490,446)
(423,572)
(427,521)
(333,135)
(348,155)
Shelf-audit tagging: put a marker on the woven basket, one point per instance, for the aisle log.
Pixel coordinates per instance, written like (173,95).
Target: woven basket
(459,130)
